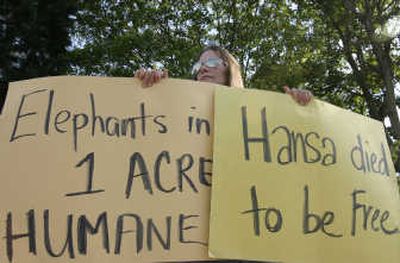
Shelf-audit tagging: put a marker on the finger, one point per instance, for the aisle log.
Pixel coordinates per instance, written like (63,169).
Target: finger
(286,89)
(158,76)
(165,74)
(146,79)
(303,97)
(142,74)
(308,97)
(153,78)
(295,94)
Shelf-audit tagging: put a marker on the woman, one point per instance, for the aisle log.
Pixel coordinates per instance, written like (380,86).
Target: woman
(217,65)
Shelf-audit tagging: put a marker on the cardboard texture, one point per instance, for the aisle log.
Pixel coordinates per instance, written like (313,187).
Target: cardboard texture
(102,170)
(300,184)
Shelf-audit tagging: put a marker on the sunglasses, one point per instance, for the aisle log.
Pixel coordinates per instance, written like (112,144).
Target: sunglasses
(210,63)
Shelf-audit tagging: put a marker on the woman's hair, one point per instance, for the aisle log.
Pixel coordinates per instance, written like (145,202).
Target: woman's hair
(234,71)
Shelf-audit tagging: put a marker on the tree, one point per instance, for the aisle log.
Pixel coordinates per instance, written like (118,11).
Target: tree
(370,55)
(330,47)
(122,36)
(33,38)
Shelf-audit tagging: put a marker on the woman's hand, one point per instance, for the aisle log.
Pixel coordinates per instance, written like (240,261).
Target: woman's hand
(302,97)
(150,77)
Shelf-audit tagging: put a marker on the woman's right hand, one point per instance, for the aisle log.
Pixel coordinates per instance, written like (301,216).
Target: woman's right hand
(150,77)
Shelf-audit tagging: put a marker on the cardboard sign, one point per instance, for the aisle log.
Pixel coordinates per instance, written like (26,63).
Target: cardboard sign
(102,170)
(300,184)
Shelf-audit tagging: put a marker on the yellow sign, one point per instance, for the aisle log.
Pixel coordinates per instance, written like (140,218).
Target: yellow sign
(101,170)
(300,184)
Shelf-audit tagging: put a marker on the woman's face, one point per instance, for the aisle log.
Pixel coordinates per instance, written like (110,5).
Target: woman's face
(217,75)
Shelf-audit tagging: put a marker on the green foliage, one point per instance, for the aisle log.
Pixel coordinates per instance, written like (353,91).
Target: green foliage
(122,36)
(328,47)
(33,38)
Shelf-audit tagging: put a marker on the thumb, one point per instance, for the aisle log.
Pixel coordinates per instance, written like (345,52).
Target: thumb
(287,89)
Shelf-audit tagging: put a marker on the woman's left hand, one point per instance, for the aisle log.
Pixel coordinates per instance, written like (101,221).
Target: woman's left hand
(302,97)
